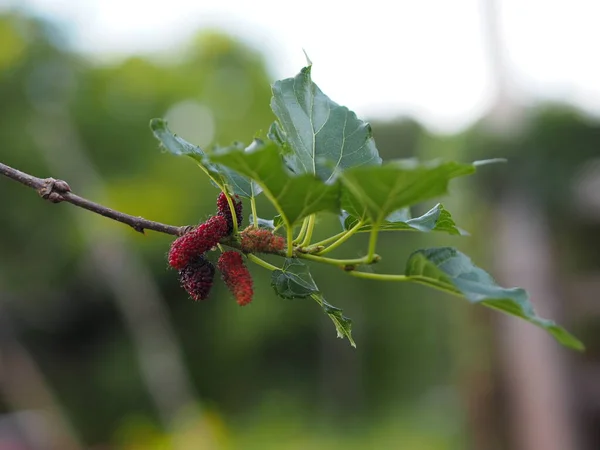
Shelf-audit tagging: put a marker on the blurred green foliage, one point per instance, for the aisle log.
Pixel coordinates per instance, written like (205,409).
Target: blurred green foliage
(240,359)
(271,375)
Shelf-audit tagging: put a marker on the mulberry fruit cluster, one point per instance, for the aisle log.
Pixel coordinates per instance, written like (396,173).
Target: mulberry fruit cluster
(259,240)
(196,273)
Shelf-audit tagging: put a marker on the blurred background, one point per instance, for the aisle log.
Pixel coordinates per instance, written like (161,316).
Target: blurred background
(101,349)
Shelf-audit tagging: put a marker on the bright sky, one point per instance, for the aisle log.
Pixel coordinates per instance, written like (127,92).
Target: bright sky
(381,58)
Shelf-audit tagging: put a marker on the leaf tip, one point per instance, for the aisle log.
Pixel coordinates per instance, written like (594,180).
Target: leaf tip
(462,232)
(579,346)
(567,339)
(308,61)
(485,162)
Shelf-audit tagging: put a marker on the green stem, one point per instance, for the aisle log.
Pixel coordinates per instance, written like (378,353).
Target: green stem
(343,238)
(290,238)
(372,243)
(302,230)
(309,231)
(254,215)
(273,200)
(379,276)
(205,170)
(229,200)
(329,239)
(336,262)
(233,214)
(261,262)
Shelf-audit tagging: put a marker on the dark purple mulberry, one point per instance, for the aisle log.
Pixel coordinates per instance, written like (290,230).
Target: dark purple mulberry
(197,278)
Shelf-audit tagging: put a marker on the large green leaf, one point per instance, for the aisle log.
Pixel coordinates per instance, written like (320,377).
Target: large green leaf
(376,192)
(318,135)
(448,269)
(295,281)
(436,219)
(294,197)
(237,183)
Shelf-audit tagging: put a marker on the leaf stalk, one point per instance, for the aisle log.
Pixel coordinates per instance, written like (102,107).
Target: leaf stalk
(309,231)
(254,215)
(343,238)
(261,262)
(302,230)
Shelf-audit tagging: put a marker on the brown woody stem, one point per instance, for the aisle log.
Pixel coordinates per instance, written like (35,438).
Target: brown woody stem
(58,191)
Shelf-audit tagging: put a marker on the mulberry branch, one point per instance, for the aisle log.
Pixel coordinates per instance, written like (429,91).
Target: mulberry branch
(57,191)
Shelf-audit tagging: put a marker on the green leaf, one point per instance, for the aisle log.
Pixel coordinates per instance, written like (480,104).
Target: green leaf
(343,325)
(262,223)
(222,176)
(278,221)
(295,281)
(239,184)
(274,224)
(173,143)
(322,136)
(294,197)
(448,269)
(436,219)
(374,193)
(400,215)
(277,135)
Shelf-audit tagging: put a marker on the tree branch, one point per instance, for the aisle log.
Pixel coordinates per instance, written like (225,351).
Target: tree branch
(57,191)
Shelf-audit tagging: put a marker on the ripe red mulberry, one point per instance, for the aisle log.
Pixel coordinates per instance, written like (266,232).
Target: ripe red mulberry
(236,276)
(259,240)
(224,210)
(197,241)
(197,278)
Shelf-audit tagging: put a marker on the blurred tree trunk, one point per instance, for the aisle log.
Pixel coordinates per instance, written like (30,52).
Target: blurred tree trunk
(534,369)
(537,396)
